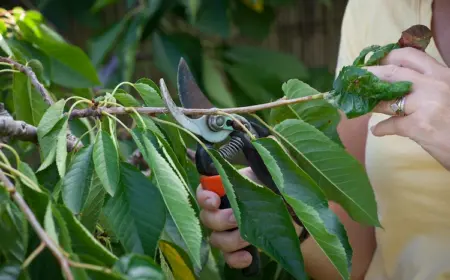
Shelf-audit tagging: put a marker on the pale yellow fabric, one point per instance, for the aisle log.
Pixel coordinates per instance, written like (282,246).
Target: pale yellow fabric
(412,189)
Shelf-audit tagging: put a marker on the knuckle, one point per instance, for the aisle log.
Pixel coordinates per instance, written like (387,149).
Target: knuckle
(216,240)
(391,71)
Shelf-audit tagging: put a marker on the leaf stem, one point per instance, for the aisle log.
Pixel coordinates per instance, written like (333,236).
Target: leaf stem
(184,129)
(9,71)
(12,150)
(21,175)
(33,255)
(82,136)
(34,80)
(240,124)
(119,85)
(91,267)
(4,158)
(117,120)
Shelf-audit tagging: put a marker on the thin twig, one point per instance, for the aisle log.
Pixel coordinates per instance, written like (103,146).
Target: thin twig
(63,261)
(89,112)
(33,255)
(90,267)
(34,80)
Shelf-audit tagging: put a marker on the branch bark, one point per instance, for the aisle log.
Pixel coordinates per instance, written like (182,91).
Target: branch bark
(10,128)
(63,261)
(34,80)
(89,112)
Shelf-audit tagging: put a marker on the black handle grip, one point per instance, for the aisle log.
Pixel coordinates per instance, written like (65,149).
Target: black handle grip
(255,267)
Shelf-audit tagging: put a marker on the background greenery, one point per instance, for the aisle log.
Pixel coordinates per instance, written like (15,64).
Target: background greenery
(231,72)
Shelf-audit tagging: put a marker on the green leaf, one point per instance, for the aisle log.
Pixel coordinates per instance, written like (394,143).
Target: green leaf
(360,60)
(318,113)
(49,223)
(281,65)
(309,204)
(10,271)
(378,53)
(25,51)
(14,233)
(357,91)
(128,212)
(180,269)
(71,67)
(173,192)
(4,46)
(49,144)
(262,218)
(138,267)
(102,44)
(215,87)
(126,99)
(213,18)
(61,148)
(129,101)
(83,243)
(106,162)
(100,4)
(169,48)
(341,177)
(28,103)
(128,45)
(66,242)
(26,170)
(3,27)
(77,181)
(192,6)
(94,203)
(149,92)
(4,198)
(252,24)
(53,114)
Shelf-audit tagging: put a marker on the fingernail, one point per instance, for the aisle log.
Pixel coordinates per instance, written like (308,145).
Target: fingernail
(372,128)
(232,219)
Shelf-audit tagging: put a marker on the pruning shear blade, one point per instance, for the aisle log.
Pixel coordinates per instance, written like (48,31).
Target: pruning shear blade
(198,126)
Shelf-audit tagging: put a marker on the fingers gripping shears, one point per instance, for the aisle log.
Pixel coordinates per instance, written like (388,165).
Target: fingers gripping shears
(214,129)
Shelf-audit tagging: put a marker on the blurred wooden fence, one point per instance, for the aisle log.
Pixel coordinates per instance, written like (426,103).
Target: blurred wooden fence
(305,29)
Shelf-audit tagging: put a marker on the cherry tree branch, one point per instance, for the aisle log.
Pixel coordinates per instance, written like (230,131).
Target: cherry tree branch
(34,80)
(49,243)
(91,112)
(10,128)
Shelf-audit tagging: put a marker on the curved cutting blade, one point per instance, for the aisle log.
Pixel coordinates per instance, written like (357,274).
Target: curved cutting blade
(197,126)
(189,92)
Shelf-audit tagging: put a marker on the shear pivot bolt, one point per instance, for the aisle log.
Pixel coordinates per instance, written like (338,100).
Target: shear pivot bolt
(216,123)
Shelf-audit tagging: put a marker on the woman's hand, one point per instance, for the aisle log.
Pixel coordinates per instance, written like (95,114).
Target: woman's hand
(221,220)
(426,107)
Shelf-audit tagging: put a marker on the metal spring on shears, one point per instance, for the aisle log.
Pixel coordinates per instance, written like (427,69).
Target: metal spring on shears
(232,148)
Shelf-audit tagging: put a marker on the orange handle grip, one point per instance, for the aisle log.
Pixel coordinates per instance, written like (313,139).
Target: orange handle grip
(213,183)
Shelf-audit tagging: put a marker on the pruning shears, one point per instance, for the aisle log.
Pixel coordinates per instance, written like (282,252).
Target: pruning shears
(214,129)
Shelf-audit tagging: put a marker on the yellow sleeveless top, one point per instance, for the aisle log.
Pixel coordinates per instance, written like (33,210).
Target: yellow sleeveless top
(412,189)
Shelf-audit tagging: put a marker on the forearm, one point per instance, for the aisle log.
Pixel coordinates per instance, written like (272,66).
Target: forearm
(362,240)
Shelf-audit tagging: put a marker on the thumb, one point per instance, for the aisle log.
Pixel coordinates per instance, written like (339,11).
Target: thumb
(391,126)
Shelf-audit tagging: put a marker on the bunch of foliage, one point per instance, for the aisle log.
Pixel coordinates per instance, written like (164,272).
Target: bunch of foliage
(209,35)
(77,203)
